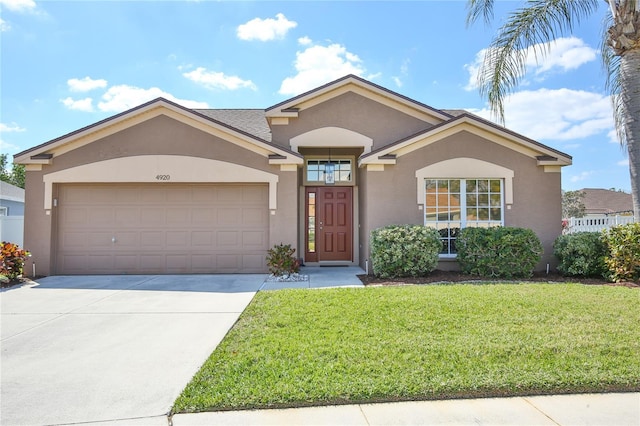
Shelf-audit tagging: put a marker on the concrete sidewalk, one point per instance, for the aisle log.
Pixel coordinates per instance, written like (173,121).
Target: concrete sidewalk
(580,410)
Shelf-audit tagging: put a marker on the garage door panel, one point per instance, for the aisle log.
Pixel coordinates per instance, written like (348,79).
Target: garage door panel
(99,240)
(229,217)
(151,239)
(178,239)
(162,228)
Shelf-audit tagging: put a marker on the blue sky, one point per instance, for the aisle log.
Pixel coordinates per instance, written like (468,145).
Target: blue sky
(67,64)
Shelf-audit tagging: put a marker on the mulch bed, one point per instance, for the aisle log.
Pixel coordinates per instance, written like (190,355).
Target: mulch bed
(443,277)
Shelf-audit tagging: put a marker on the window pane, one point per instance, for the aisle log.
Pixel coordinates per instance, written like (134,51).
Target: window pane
(496,214)
(495,200)
(483,185)
(443,186)
(472,213)
(483,200)
(472,184)
(454,186)
(472,200)
(495,186)
(483,214)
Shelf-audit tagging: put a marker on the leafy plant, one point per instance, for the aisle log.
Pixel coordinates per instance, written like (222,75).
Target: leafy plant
(404,250)
(501,252)
(581,254)
(281,260)
(12,259)
(623,260)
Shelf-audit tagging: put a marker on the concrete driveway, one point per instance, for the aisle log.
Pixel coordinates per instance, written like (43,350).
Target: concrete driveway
(110,348)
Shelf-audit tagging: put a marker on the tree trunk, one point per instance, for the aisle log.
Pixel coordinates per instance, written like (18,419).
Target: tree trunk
(630,102)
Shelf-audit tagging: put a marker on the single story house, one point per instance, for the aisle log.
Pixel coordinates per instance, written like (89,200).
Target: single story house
(600,201)
(162,188)
(11,213)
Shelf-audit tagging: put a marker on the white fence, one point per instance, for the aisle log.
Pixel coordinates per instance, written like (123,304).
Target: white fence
(12,229)
(595,223)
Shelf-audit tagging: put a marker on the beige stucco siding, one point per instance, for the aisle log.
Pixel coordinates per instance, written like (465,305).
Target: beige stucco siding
(353,112)
(158,136)
(536,193)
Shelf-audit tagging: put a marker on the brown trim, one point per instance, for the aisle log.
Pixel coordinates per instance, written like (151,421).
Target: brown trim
(462,117)
(363,81)
(159,100)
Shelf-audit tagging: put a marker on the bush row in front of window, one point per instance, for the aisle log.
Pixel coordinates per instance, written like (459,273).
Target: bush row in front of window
(498,252)
(613,254)
(404,250)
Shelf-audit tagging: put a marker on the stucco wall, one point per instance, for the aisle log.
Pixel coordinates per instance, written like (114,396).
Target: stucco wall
(536,193)
(354,112)
(159,135)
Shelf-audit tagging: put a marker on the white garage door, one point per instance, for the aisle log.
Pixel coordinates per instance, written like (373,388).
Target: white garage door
(162,228)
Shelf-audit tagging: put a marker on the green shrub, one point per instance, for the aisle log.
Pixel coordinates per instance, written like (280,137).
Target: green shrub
(12,259)
(623,260)
(281,261)
(498,252)
(581,254)
(404,251)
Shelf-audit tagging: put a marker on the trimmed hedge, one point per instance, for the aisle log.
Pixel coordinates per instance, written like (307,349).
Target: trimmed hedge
(581,254)
(499,252)
(404,251)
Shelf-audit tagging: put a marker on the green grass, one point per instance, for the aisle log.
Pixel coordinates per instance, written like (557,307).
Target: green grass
(301,347)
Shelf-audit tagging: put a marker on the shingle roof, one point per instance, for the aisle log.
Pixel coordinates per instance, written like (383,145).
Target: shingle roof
(252,121)
(606,201)
(11,192)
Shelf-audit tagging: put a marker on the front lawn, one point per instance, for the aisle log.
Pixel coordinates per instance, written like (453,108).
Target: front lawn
(302,347)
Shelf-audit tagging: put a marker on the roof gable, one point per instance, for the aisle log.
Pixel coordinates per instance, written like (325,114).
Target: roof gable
(44,153)
(351,83)
(544,155)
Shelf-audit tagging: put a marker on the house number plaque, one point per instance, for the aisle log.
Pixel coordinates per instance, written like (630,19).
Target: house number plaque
(163,177)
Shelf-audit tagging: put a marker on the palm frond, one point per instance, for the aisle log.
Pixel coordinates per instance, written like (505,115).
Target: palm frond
(477,8)
(533,26)
(611,68)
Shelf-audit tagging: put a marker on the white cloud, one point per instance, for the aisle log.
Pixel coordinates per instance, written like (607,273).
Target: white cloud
(19,5)
(566,53)
(6,147)
(218,80)
(85,104)
(122,97)
(85,84)
(561,114)
(318,65)
(624,163)
(404,71)
(582,176)
(4,25)
(304,41)
(563,54)
(13,127)
(265,29)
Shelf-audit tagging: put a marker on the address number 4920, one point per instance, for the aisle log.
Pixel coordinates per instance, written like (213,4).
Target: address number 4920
(163,177)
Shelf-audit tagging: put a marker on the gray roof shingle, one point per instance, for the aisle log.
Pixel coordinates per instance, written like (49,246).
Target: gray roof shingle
(252,121)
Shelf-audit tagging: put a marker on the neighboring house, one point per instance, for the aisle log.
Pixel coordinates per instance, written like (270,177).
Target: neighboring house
(11,213)
(166,189)
(607,202)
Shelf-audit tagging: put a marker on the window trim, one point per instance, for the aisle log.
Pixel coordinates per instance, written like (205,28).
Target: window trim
(465,168)
(463,207)
(350,158)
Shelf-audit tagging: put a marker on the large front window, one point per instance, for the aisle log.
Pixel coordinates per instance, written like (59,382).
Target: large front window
(453,204)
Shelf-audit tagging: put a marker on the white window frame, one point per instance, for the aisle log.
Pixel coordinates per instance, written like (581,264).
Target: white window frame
(336,161)
(463,222)
(4,211)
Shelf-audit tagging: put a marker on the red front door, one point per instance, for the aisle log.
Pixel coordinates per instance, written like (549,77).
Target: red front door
(329,224)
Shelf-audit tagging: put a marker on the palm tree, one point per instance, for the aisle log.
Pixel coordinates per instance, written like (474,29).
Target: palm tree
(537,24)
